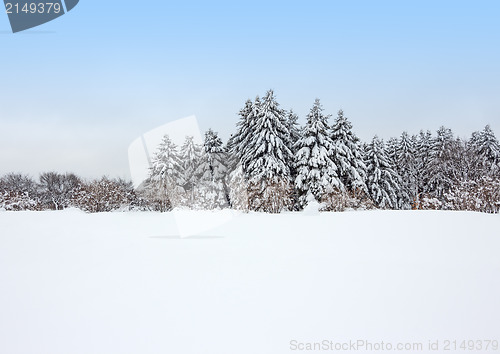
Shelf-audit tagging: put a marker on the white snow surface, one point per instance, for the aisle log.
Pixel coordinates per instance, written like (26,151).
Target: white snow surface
(109,283)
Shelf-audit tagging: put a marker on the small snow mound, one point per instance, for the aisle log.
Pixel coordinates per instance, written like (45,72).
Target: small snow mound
(312,207)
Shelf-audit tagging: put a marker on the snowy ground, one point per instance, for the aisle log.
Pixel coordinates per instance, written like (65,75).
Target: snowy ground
(127,283)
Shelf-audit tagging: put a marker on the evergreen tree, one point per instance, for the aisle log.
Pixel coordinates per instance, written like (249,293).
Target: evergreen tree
(316,172)
(294,129)
(392,151)
(212,173)
(460,160)
(165,182)
(245,133)
(346,155)
(407,170)
(266,157)
(190,155)
(488,152)
(441,166)
(229,149)
(295,134)
(237,178)
(423,157)
(382,179)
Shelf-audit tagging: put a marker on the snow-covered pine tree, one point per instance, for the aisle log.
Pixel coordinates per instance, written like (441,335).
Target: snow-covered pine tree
(488,152)
(441,166)
(248,134)
(407,170)
(475,168)
(474,140)
(392,151)
(423,152)
(164,185)
(476,173)
(212,172)
(460,160)
(316,172)
(391,147)
(190,156)
(232,161)
(382,180)
(266,158)
(244,128)
(347,156)
(292,120)
(237,178)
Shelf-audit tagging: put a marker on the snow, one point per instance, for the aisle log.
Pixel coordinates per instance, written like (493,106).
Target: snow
(312,206)
(128,283)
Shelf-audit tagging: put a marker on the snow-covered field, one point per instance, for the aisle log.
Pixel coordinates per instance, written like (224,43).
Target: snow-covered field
(127,283)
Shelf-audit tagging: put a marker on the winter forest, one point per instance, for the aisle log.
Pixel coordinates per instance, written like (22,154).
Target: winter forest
(271,164)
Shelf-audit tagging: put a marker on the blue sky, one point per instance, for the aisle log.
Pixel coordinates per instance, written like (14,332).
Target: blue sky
(76,91)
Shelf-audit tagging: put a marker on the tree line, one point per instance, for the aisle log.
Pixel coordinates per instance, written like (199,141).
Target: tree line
(271,164)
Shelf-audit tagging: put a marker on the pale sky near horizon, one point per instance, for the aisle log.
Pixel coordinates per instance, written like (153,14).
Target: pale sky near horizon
(77,91)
